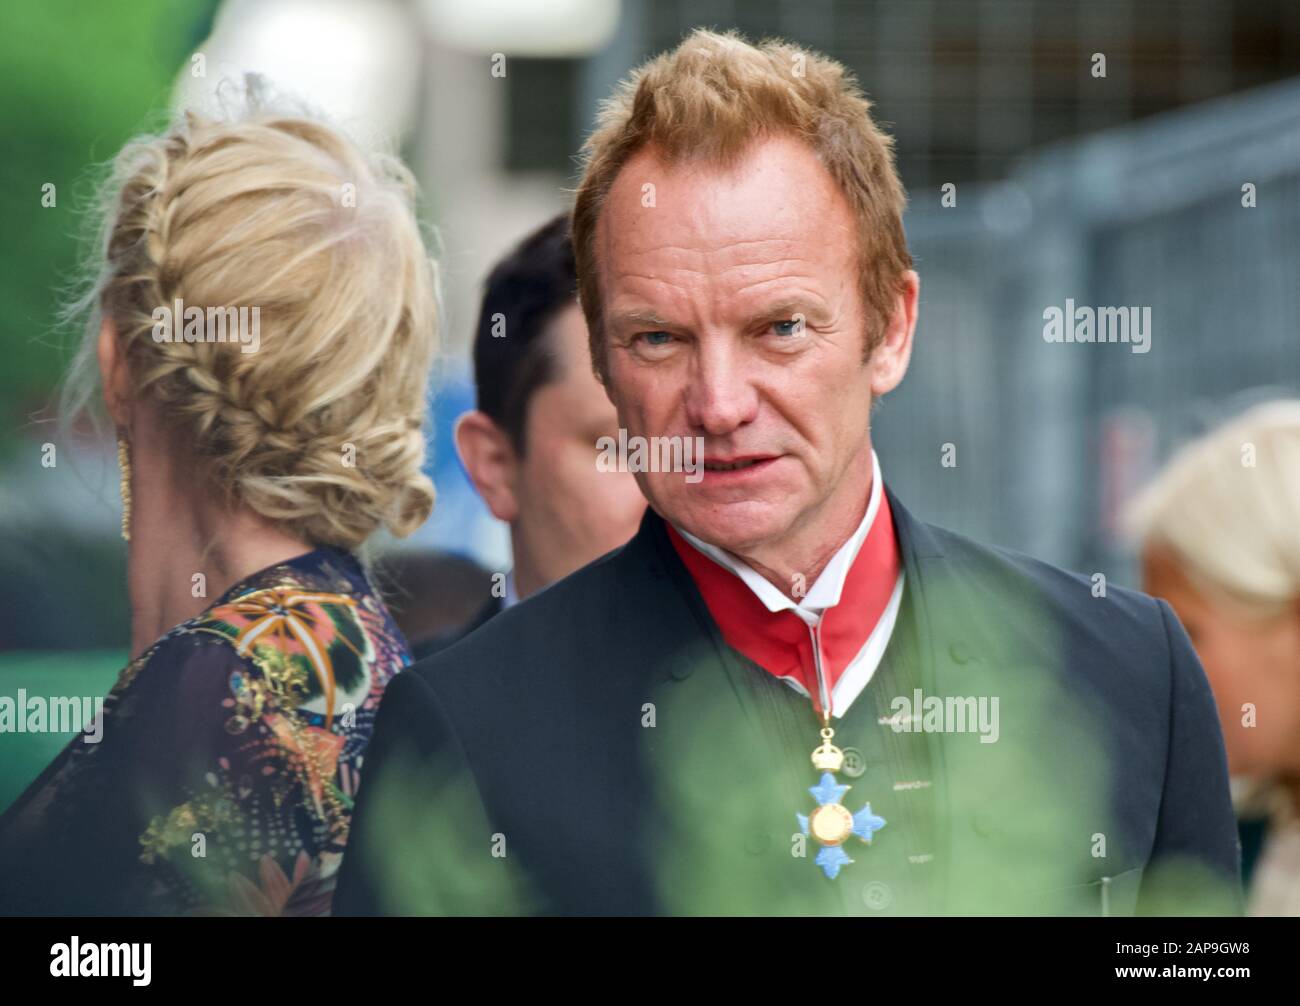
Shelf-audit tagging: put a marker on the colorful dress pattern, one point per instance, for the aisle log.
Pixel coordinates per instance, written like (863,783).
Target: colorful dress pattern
(230,756)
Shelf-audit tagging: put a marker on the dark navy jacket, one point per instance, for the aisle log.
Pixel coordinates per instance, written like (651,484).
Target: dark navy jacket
(599,749)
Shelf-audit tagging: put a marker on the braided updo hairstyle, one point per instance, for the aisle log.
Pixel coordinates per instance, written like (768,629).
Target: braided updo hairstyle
(321,428)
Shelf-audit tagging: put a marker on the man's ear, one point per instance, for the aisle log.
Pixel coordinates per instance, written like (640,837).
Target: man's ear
(889,360)
(489,458)
(114,378)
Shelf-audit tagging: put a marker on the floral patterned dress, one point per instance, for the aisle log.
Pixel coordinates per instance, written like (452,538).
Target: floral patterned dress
(223,778)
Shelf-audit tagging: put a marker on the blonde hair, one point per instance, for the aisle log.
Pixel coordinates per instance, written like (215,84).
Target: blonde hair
(1234,527)
(281,212)
(709,99)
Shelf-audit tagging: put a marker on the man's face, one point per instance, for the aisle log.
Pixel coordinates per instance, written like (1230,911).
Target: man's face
(569,511)
(733,312)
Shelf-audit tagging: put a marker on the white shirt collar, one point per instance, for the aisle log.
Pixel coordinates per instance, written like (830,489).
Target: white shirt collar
(826,590)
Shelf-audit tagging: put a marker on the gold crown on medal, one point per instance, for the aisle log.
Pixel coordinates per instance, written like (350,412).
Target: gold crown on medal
(827,758)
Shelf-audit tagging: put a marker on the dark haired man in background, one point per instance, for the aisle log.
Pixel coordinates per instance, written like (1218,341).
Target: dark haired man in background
(529,447)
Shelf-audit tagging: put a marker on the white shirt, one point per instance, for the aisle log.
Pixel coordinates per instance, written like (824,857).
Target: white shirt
(824,594)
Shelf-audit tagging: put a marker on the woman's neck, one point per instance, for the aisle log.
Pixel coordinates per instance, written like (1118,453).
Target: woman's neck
(182,558)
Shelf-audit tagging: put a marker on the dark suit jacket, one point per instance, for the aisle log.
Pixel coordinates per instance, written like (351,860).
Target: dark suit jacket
(436,644)
(599,749)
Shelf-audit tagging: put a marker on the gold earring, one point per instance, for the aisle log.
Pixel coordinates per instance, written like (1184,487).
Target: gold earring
(124,463)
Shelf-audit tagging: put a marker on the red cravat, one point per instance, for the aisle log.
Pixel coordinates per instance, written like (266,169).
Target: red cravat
(781,642)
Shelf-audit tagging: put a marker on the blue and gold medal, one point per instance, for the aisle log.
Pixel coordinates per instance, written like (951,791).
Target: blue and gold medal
(831,823)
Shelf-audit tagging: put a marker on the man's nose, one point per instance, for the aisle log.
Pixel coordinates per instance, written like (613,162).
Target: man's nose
(721,395)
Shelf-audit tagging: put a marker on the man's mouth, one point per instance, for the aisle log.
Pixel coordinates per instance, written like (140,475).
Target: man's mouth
(733,464)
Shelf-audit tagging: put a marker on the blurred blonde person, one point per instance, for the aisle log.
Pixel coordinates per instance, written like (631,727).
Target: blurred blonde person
(1220,535)
(258,454)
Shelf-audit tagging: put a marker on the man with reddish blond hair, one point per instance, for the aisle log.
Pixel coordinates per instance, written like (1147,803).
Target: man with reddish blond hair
(785,695)
(673,105)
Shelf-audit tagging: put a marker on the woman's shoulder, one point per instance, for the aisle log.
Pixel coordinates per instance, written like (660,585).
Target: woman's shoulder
(309,635)
(314,632)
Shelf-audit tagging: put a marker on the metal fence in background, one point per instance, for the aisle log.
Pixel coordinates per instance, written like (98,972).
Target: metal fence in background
(1050,439)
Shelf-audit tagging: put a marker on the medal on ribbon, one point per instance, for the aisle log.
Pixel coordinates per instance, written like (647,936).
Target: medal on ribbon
(831,823)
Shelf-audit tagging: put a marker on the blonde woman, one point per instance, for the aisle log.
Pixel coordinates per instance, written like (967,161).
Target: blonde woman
(1220,534)
(263,324)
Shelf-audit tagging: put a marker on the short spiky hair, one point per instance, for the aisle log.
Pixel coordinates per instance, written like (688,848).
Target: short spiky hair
(709,99)
(529,288)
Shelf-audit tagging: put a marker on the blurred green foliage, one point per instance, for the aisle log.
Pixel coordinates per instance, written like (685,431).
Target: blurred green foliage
(79,79)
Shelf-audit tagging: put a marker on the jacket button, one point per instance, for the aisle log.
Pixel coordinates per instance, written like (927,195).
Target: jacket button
(959,653)
(681,671)
(854,763)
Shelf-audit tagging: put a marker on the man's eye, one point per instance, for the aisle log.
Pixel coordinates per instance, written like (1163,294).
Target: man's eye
(794,326)
(656,338)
